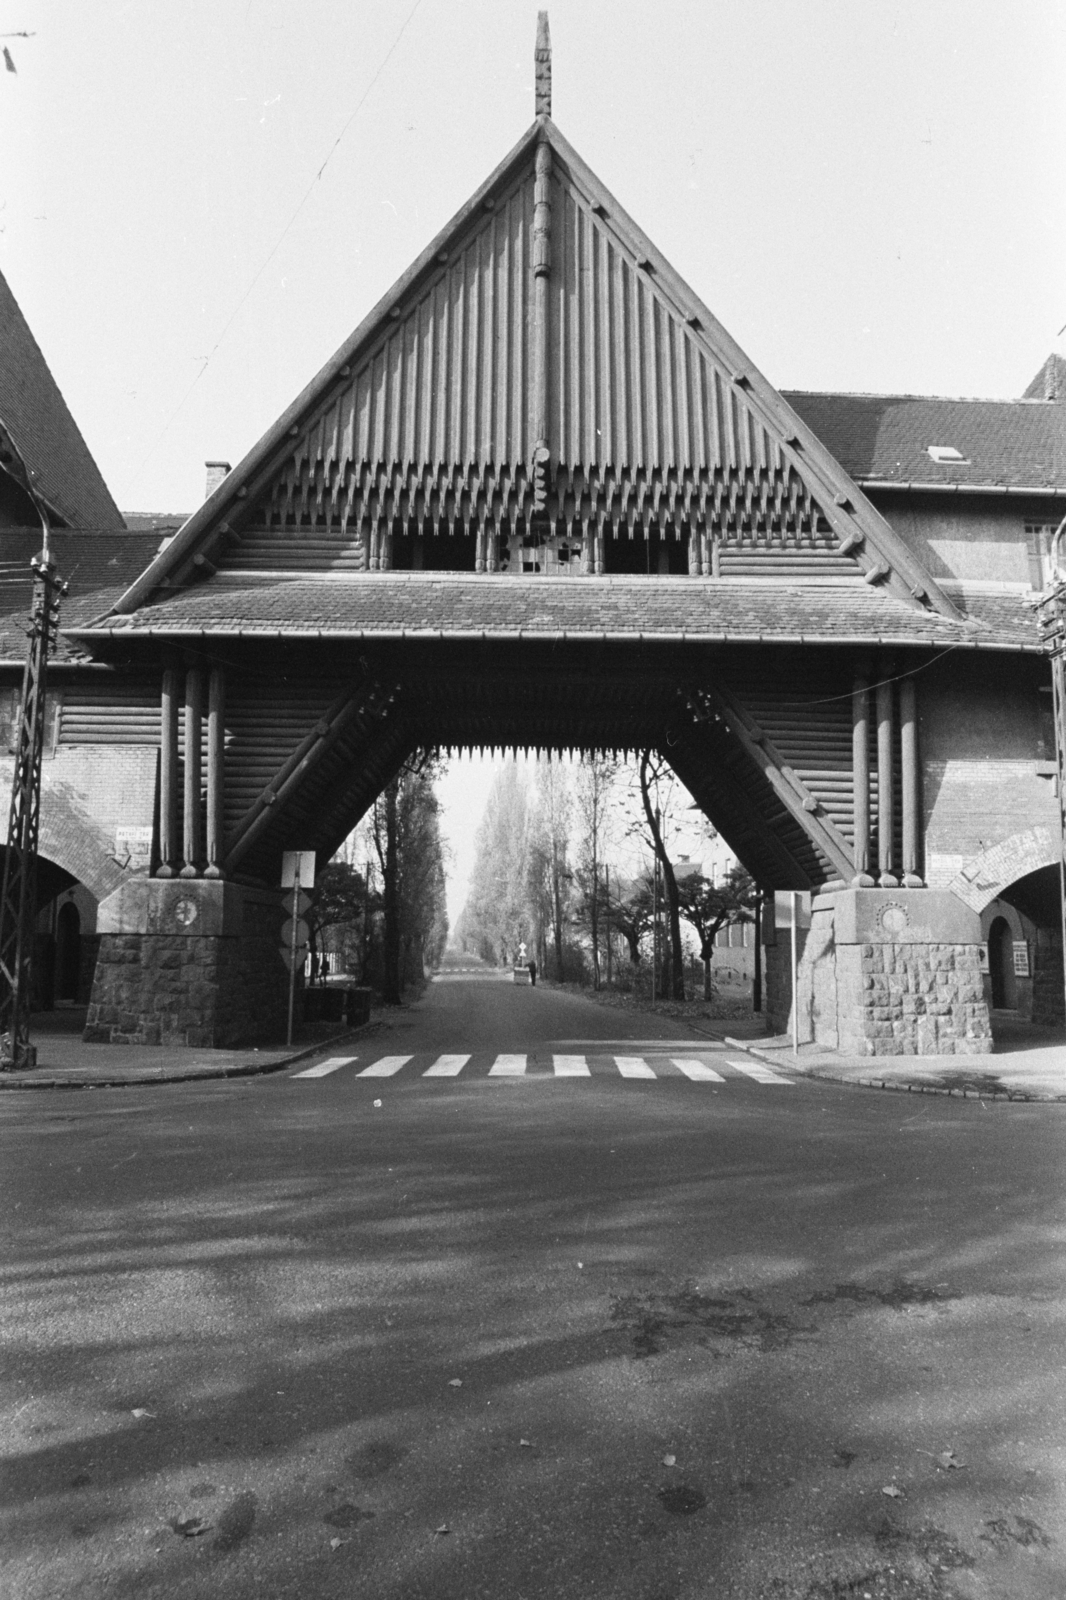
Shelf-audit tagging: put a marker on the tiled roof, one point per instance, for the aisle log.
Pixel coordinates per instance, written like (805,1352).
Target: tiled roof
(886,438)
(1050,381)
(422,605)
(98,566)
(161,522)
(32,407)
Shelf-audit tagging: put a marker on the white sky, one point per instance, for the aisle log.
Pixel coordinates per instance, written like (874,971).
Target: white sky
(868,195)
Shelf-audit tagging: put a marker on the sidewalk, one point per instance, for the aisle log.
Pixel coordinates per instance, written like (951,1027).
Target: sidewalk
(64,1062)
(1029,1065)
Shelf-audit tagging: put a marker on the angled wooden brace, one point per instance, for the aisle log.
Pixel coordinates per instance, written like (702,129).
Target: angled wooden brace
(366,699)
(789,787)
(792,874)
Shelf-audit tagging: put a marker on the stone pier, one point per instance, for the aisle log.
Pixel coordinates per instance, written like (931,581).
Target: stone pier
(884,972)
(188,962)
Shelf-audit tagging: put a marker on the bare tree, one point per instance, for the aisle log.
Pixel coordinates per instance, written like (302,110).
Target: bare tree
(653,772)
(597,777)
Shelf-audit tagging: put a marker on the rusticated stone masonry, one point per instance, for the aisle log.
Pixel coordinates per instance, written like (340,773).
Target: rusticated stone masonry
(157,985)
(916,999)
(875,980)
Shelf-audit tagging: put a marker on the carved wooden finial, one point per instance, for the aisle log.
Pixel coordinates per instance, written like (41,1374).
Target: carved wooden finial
(542,68)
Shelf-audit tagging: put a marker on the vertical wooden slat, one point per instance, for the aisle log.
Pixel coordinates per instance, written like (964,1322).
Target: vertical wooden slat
(168,774)
(886,816)
(194,710)
(860,776)
(909,774)
(216,771)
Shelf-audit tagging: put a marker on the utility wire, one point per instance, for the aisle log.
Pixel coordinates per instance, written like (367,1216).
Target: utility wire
(283,235)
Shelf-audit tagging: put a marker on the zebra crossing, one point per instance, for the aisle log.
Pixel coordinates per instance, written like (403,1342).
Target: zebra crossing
(549,1065)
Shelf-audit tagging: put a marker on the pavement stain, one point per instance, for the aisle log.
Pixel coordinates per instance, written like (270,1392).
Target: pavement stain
(374,1459)
(235,1522)
(898,1296)
(686,1314)
(1003,1532)
(346,1515)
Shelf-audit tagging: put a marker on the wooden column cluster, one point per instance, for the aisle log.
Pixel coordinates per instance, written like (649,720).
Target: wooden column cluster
(190,856)
(895,709)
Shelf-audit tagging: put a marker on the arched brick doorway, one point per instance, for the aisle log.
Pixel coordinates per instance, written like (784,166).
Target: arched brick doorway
(1001,966)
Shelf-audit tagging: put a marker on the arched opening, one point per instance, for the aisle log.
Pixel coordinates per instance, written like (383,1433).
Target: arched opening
(1001,966)
(68,954)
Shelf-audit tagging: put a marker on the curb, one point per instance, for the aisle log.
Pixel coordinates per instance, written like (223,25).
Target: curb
(770,1059)
(249,1069)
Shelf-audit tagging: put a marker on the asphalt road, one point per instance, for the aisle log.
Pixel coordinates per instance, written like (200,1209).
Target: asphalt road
(441,1337)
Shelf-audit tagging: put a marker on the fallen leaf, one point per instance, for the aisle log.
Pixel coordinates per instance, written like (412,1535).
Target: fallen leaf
(948,1458)
(669,1461)
(455,1383)
(190,1527)
(892,1492)
(335,1544)
(444,1528)
(139,1411)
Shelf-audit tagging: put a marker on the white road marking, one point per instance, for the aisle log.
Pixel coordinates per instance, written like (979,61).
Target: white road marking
(696,1070)
(385,1068)
(508,1067)
(570,1067)
(760,1073)
(322,1069)
(446,1067)
(633,1067)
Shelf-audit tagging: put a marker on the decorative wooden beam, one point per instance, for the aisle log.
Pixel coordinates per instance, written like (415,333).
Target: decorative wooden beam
(542,261)
(168,774)
(744,825)
(909,775)
(216,769)
(194,714)
(797,799)
(860,778)
(886,800)
(367,701)
(542,68)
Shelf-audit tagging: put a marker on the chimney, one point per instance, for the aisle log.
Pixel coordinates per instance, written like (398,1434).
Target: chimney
(217,472)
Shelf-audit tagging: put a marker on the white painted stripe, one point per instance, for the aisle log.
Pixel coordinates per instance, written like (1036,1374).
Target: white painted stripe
(696,1070)
(321,1069)
(633,1067)
(571,1067)
(384,1068)
(761,1074)
(446,1067)
(508,1067)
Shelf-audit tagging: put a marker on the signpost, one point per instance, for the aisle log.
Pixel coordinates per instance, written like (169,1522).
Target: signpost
(297,876)
(792,909)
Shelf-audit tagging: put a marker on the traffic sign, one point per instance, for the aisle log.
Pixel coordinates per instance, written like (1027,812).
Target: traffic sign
(297,902)
(301,934)
(291,960)
(297,866)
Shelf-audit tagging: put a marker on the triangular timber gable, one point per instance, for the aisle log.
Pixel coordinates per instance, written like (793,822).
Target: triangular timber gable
(541,365)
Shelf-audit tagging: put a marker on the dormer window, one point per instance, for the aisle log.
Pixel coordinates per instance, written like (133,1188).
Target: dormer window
(946,455)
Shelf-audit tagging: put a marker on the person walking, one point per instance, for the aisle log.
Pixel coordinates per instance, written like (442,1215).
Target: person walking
(533,974)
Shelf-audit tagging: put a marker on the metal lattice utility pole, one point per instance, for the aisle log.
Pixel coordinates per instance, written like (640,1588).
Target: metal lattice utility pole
(1052,616)
(18,897)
